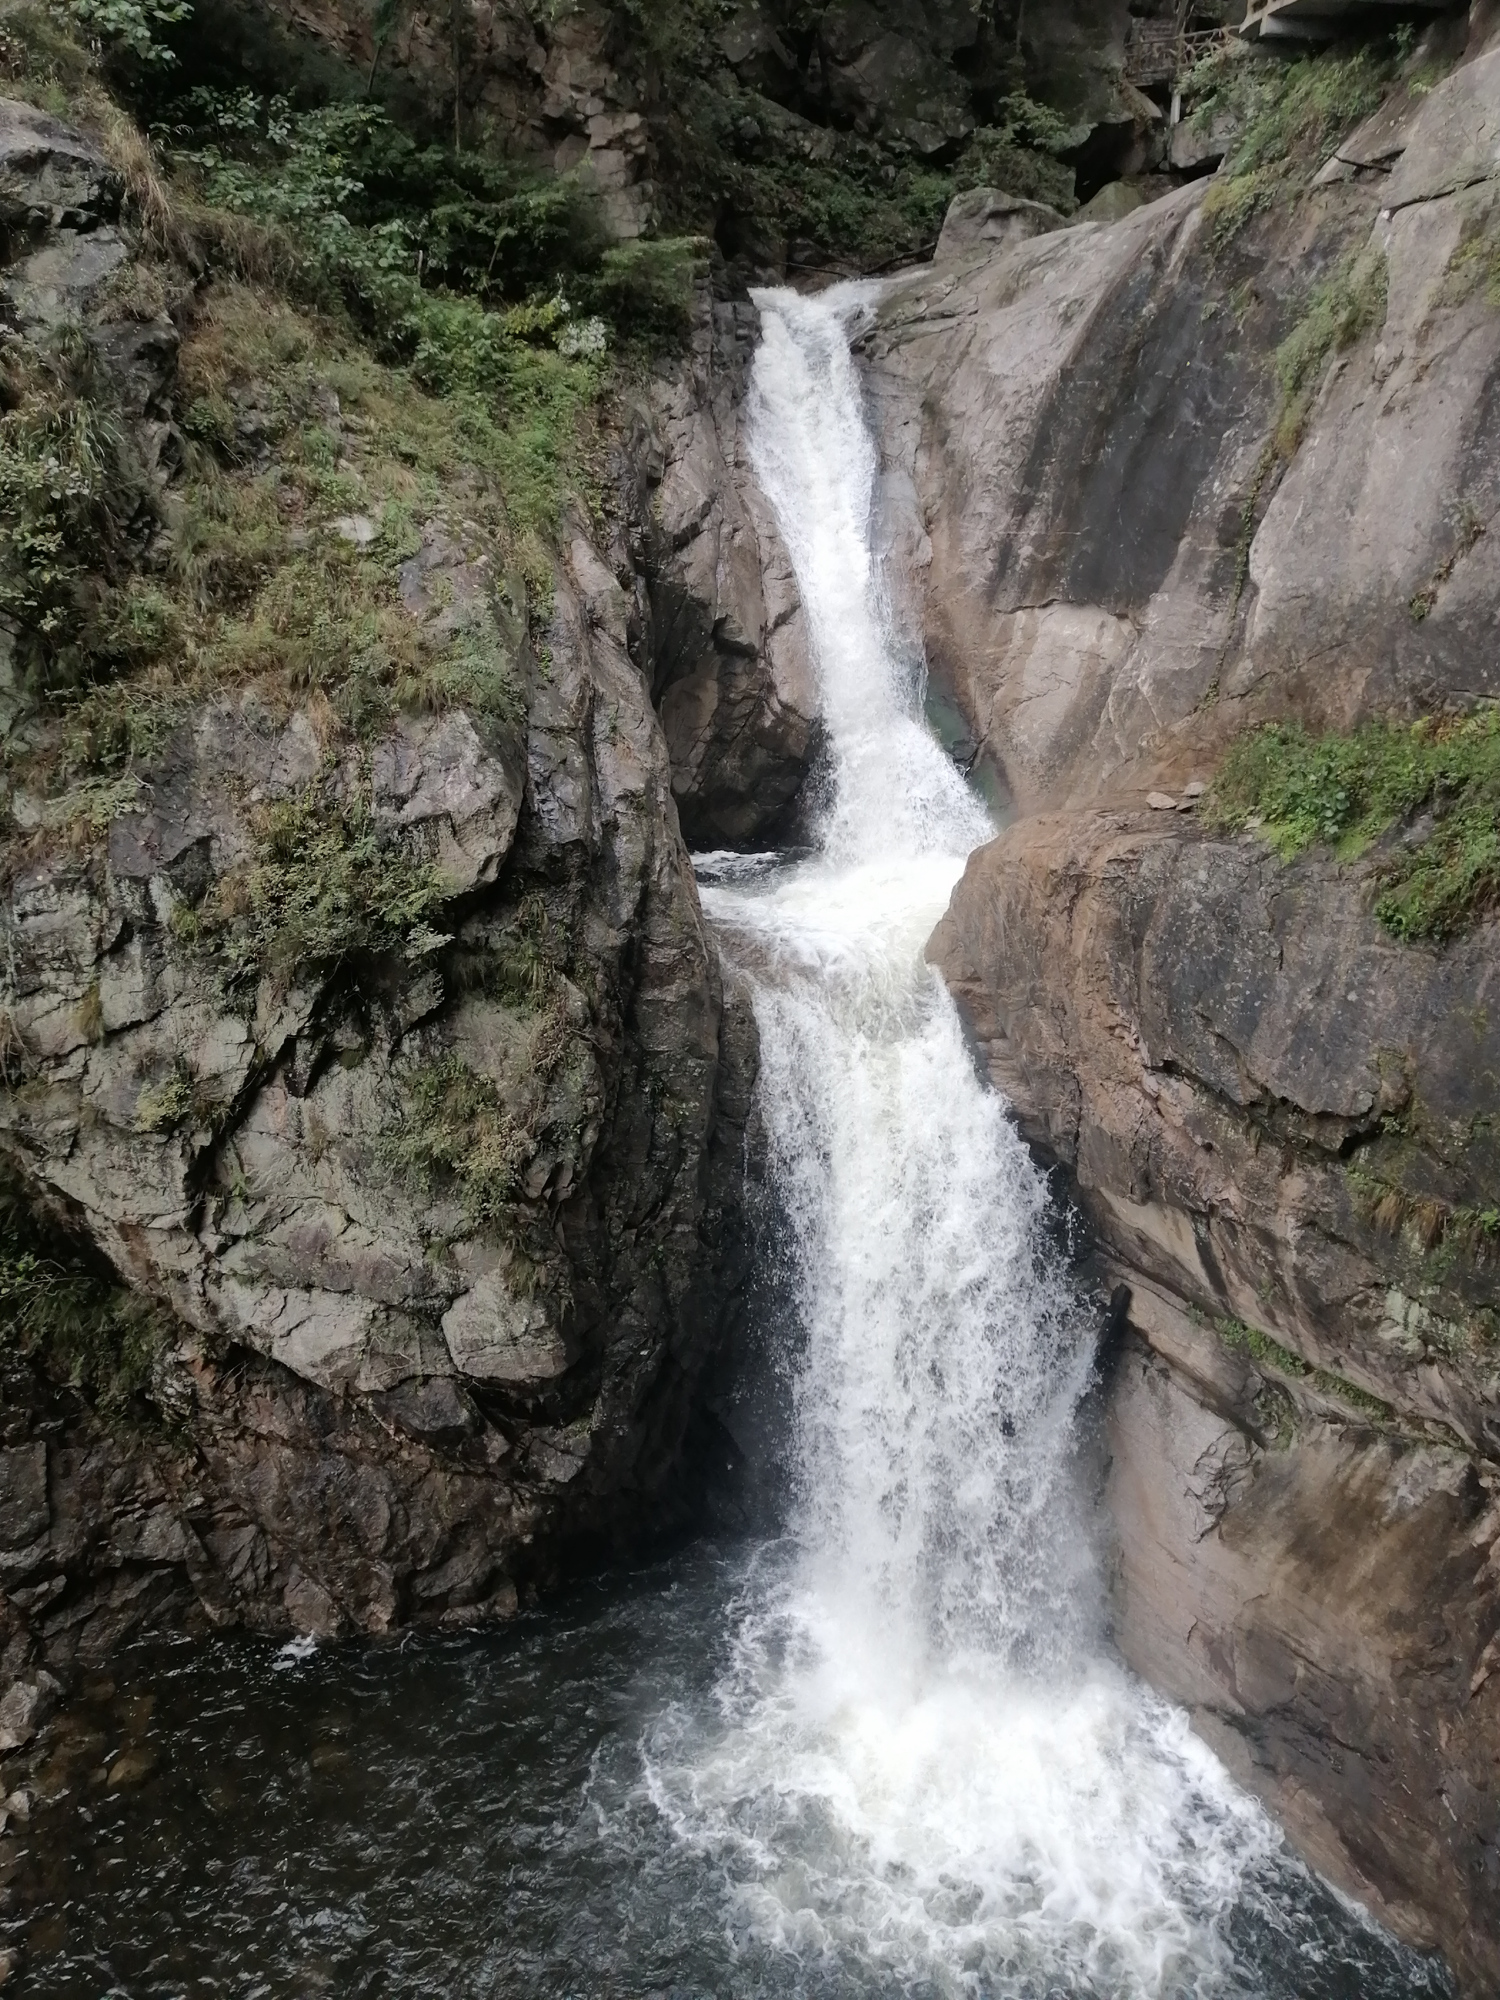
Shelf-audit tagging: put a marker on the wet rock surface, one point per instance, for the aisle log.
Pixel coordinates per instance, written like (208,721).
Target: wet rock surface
(732,675)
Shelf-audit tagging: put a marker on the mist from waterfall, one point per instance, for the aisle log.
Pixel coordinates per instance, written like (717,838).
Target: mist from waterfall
(924,1762)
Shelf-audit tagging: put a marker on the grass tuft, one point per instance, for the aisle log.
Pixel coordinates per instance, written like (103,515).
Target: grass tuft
(1289,115)
(456,1127)
(1345,791)
(73,1317)
(1339,311)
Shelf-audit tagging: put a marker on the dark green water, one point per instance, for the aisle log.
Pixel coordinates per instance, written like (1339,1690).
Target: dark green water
(474,1817)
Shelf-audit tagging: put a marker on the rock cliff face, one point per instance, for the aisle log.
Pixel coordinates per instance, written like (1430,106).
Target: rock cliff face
(390,1073)
(1280,1120)
(733,679)
(796,136)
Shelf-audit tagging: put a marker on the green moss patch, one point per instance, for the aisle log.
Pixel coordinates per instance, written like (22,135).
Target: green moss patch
(1349,303)
(1475,264)
(1270,1354)
(1345,791)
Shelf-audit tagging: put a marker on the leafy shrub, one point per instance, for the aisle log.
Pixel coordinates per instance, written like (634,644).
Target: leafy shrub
(172,1102)
(459,263)
(1346,791)
(130,25)
(645,290)
(327,886)
(1289,117)
(1020,154)
(62,1309)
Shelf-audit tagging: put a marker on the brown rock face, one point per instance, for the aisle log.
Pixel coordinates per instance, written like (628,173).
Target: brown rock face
(732,675)
(1342,1590)
(1280,1121)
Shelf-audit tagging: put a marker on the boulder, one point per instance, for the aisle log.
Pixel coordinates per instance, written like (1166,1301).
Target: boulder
(986,218)
(1114,201)
(732,674)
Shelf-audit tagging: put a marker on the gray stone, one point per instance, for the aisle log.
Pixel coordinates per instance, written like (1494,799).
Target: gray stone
(988,218)
(1111,204)
(1454,139)
(24,1513)
(494,1336)
(51,176)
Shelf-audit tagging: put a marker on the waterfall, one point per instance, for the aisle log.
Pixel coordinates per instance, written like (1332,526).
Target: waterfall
(923,1761)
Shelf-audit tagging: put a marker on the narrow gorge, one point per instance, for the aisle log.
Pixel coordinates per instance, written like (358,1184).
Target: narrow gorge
(751,816)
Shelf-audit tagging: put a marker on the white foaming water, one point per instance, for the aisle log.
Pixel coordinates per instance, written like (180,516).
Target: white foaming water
(922,1761)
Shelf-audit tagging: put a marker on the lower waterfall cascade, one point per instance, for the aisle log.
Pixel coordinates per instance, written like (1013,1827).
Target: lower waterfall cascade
(885,1752)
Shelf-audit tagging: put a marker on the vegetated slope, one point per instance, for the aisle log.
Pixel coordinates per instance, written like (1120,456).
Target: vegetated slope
(799,136)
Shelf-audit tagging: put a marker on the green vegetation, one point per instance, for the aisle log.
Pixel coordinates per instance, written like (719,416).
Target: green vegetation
(1339,311)
(1269,1353)
(1475,265)
(171,1103)
(131,26)
(1440,1229)
(73,506)
(456,1127)
(1348,790)
(399,334)
(868,206)
(1289,116)
(478,273)
(326,887)
(253,572)
(768,181)
(84,1327)
(523,965)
